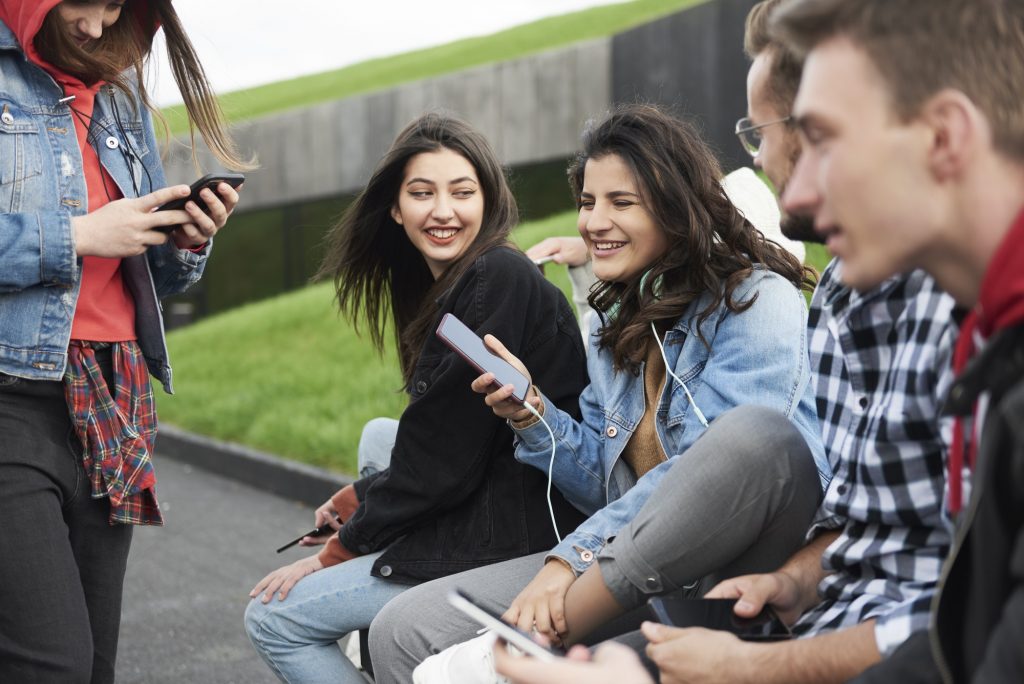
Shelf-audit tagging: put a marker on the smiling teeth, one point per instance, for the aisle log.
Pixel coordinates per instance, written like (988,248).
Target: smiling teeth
(442,233)
(608,245)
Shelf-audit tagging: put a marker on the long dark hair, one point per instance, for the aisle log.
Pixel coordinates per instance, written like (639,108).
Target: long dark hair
(712,248)
(377,270)
(119,58)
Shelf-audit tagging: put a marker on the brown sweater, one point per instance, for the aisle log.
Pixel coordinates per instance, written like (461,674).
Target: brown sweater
(644,451)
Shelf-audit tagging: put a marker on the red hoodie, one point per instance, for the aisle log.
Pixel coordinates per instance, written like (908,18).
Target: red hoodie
(1000,306)
(105,310)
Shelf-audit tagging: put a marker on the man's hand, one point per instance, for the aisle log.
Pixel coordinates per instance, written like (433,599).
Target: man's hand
(753,592)
(541,604)
(612,664)
(696,654)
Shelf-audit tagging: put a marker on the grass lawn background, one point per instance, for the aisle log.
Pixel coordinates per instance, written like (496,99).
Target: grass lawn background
(290,376)
(386,72)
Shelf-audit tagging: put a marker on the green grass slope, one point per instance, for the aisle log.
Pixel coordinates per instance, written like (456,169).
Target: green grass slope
(385,72)
(290,376)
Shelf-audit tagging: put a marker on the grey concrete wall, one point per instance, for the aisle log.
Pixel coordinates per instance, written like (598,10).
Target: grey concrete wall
(531,110)
(693,60)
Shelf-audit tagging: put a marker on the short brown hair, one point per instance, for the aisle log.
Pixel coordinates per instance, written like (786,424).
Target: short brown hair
(786,66)
(921,47)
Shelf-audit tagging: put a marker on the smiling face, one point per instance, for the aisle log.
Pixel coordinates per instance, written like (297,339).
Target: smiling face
(441,206)
(623,237)
(863,174)
(87,19)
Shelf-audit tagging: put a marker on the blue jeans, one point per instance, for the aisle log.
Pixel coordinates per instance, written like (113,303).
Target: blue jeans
(298,637)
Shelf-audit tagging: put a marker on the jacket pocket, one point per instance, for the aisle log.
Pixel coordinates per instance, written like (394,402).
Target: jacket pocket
(20,155)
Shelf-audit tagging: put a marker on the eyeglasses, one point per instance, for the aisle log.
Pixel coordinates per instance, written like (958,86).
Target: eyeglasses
(750,135)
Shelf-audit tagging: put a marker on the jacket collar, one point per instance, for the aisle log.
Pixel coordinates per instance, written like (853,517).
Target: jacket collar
(7,39)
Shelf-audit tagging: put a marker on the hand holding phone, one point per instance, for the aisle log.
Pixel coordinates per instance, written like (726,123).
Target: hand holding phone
(493,622)
(719,614)
(210,181)
(467,344)
(315,532)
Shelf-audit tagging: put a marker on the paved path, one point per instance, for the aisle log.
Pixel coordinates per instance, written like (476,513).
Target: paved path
(188,582)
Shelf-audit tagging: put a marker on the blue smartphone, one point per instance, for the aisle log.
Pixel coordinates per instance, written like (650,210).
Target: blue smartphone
(467,344)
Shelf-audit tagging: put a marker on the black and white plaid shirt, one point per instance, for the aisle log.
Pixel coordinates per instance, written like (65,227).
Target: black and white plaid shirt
(882,363)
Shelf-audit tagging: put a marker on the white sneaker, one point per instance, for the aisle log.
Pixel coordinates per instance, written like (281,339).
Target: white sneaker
(471,662)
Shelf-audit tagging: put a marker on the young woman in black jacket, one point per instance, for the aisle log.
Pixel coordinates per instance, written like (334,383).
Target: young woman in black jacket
(428,236)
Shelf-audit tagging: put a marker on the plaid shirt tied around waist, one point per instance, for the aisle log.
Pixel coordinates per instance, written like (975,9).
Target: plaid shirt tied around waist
(116,427)
(882,362)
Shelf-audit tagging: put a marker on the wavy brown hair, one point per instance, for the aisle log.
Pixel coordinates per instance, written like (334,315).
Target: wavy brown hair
(119,58)
(378,273)
(712,248)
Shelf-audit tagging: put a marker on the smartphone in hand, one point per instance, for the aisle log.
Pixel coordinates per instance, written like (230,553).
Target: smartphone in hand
(493,622)
(719,614)
(210,180)
(467,344)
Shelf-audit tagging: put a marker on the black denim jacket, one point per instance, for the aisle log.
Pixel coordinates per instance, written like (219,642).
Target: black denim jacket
(454,497)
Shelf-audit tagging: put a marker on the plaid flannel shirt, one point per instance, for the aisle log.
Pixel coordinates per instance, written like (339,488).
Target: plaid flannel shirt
(117,427)
(882,363)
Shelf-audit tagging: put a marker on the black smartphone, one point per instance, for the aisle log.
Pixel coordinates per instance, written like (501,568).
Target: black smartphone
(493,622)
(718,614)
(315,532)
(469,346)
(210,180)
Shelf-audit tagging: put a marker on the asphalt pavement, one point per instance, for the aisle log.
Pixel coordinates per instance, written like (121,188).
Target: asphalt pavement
(188,582)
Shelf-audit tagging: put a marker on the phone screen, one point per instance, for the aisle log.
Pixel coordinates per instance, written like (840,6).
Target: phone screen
(468,344)
(718,614)
(492,621)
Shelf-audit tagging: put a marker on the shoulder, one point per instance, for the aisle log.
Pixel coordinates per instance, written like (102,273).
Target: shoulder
(504,267)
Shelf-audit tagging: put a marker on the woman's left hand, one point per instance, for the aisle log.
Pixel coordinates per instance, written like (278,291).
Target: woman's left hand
(540,605)
(205,225)
(283,579)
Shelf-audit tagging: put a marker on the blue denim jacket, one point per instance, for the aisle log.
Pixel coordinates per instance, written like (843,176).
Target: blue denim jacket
(756,357)
(41,188)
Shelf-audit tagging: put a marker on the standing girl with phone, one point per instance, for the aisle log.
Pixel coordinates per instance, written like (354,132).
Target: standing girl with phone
(428,236)
(84,263)
(699,448)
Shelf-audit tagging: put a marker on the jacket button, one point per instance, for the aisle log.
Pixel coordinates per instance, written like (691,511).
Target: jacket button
(611,431)
(7,118)
(385,571)
(586,556)
(653,584)
(421,386)
(112,143)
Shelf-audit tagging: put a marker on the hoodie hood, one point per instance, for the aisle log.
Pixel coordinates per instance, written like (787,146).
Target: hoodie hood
(25,18)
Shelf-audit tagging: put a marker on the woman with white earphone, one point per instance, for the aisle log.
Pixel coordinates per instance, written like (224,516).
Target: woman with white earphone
(698,315)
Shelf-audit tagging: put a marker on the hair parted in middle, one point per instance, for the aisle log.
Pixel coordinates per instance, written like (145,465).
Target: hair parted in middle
(712,248)
(377,271)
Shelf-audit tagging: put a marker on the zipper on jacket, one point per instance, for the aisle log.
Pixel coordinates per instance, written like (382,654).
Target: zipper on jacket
(963,530)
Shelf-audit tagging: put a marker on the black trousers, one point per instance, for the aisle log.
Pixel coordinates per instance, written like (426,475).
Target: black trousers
(62,564)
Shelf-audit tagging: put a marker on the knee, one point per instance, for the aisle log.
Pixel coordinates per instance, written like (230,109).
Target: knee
(759,431)
(259,622)
(375,444)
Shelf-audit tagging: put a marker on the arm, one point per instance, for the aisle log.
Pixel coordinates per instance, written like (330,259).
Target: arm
(696,654)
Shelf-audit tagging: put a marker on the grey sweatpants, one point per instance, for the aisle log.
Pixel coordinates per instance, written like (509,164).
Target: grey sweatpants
(738,501)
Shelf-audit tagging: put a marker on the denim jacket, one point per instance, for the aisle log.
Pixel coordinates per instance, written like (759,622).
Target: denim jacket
(41,188)
(758,356)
